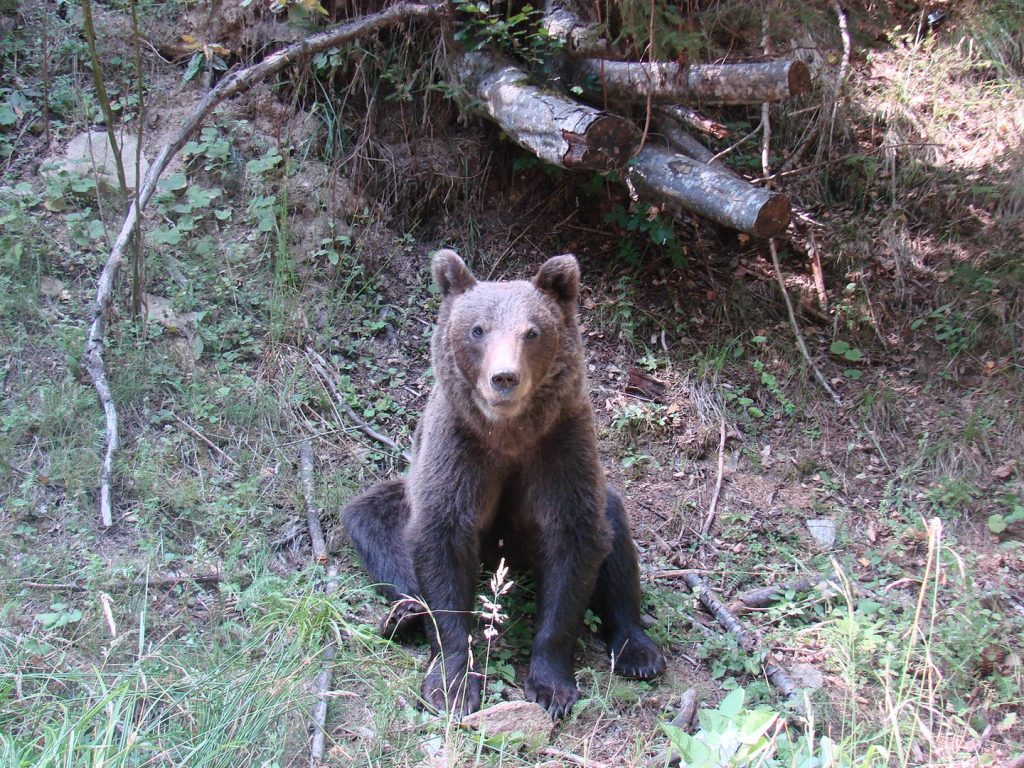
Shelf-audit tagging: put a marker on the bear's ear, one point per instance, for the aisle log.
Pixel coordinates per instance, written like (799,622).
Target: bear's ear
(560,276)
(451,273)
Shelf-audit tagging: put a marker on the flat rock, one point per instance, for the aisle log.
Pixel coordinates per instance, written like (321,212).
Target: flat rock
(90,151)
(807,676)
(823,531)
(161,310)
(521,718)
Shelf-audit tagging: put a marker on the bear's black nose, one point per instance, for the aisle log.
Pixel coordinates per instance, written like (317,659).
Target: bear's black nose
(505,381)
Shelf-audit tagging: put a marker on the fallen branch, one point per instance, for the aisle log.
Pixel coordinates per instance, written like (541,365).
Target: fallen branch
(160,581)
(233,84)
(709,191)
(210,444)
(673,573)
(713,506)
(322,370)
(695,119)
(316,532)
(556,129)
(772,667)
(684,721)
(319,546)
(323,685)
(743,83)
(765,596)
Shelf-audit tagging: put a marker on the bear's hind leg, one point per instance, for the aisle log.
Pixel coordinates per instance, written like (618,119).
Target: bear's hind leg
(375,521)
(617,602)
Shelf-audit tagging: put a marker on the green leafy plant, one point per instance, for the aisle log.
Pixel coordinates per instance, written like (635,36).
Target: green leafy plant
(653,225)
(849,354)
(59,615)
(486,24)
(998,523)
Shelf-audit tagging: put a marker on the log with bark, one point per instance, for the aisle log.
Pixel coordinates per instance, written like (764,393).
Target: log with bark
(553,127)
(711,192)
(743,83)
(578,37)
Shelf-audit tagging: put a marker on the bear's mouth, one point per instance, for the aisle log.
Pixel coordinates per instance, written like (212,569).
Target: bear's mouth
(499,408)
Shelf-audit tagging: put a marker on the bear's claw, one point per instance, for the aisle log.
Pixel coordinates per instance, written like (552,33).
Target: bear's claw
(637,657)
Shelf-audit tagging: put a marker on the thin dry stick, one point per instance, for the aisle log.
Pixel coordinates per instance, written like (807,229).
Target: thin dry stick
(324,372)
(160,581)
(773,249)
(844,66)
(316,536)
(570,757)
(323,685)
(816,271)
(213,446)
(231,85)
(709,519)
(316,532)
(773,669)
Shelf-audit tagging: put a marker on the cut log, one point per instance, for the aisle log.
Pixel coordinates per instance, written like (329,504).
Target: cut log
(745,83)
(714,193)
(554,128)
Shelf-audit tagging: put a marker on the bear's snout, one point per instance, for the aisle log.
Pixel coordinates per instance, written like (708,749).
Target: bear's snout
(503,382)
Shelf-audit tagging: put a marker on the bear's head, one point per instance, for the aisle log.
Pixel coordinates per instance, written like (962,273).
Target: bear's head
(505,341)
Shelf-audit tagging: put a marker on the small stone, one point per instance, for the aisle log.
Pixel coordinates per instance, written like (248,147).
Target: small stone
(89,153)
(513,718)
(823,531)
(50,287)
(807,676)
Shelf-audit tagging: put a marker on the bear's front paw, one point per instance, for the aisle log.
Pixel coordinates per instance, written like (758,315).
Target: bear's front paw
(555,694)
(458,692)
(637,656)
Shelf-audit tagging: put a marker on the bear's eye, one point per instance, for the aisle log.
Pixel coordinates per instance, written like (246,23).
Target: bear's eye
(532,334)
(478,332)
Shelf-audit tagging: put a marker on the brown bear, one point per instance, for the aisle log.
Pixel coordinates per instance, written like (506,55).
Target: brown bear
(505,464)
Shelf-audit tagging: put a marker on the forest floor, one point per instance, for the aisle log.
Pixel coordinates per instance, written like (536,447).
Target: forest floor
(190,632)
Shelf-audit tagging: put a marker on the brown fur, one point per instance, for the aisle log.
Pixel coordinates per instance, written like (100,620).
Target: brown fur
(506,451)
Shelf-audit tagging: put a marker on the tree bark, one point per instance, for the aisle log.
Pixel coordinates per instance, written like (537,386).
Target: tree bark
(745,83)
(578,37)
(711,192)
(553,127)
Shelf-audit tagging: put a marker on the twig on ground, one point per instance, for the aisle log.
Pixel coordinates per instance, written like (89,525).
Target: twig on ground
(160,581)
(323,370)
(816,271)
(709,519)
(316,532)
(233,84)
(765,596)
(673,573)
(213,446)
(316,536)
(579,760)
(801,344)
(766,138)
(844,66)
(773,669)
(684,721)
